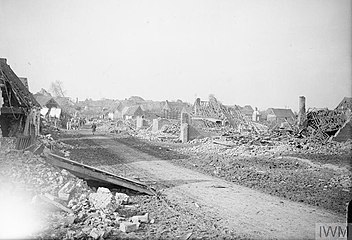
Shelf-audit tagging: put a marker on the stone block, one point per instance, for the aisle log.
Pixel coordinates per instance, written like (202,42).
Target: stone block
(64,196)
(101,199)
(95,233)
(64,192)
(103,190)
(121,198)
(128,227)
(140,218)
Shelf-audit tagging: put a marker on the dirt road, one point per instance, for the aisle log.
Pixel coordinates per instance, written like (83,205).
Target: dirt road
(246,212)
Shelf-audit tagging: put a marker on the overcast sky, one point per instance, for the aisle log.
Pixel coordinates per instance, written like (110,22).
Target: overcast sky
(259,52)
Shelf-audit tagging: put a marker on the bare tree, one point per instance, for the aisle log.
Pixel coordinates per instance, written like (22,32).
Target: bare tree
(57,89)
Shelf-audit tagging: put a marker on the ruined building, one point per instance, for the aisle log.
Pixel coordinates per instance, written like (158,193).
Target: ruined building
(19,111)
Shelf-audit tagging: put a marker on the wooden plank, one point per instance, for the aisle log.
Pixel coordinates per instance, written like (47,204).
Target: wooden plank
(91,173)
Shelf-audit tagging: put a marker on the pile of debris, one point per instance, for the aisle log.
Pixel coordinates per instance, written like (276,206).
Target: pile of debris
(48,127)
(255,145)
(158,136)
(71,208)
(322,124)
(49,142)
(173,129)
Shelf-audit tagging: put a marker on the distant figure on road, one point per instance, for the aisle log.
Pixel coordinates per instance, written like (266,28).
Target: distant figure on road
(94,127)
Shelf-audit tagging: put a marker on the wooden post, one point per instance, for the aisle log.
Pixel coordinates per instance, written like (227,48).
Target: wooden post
(26,126)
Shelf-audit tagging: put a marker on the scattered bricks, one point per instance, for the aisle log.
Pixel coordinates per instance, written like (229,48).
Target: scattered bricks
(70,219)
(72,203)
(128,227)
(86,230)
(54,203)
(49,196)
(64,196)
(131,207)
(107,232)
(121,198)
(94,233)
(140,219)
(118,219)
(101,199)
(64,192)
(103,190)
(66,173)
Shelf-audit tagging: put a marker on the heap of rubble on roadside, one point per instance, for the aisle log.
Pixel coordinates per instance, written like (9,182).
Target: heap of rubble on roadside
(320,127)
(68,207)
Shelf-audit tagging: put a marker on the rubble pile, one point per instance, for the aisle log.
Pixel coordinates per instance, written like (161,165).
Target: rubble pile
(49,142)
(71,209)
(321,124)
(49,128)
(111,127)
(251,145)
(173,129)
(7,142)
(158,136)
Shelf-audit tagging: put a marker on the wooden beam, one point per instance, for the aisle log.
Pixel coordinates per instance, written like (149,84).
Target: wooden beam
(91,173)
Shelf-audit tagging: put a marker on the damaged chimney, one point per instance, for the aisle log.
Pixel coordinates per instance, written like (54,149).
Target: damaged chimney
(302,110)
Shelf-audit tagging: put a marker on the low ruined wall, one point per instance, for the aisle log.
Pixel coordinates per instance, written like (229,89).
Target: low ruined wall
(159,123)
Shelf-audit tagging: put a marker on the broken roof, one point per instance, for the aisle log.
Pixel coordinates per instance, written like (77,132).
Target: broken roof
(174,106)
(22,94)
(133,111)
(45,100)
(345,104)
(282,112)
(116,107)
(247,110)
(44,92)
(64,101)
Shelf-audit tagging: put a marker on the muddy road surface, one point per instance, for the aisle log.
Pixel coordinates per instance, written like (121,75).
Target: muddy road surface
(229,209)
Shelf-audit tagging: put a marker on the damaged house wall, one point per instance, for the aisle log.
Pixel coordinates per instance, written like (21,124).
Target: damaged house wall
(19,109)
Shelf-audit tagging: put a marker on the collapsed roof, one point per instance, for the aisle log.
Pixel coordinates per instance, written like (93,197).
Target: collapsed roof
(46,101)
(16,94)
(282,112)
(213,110)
